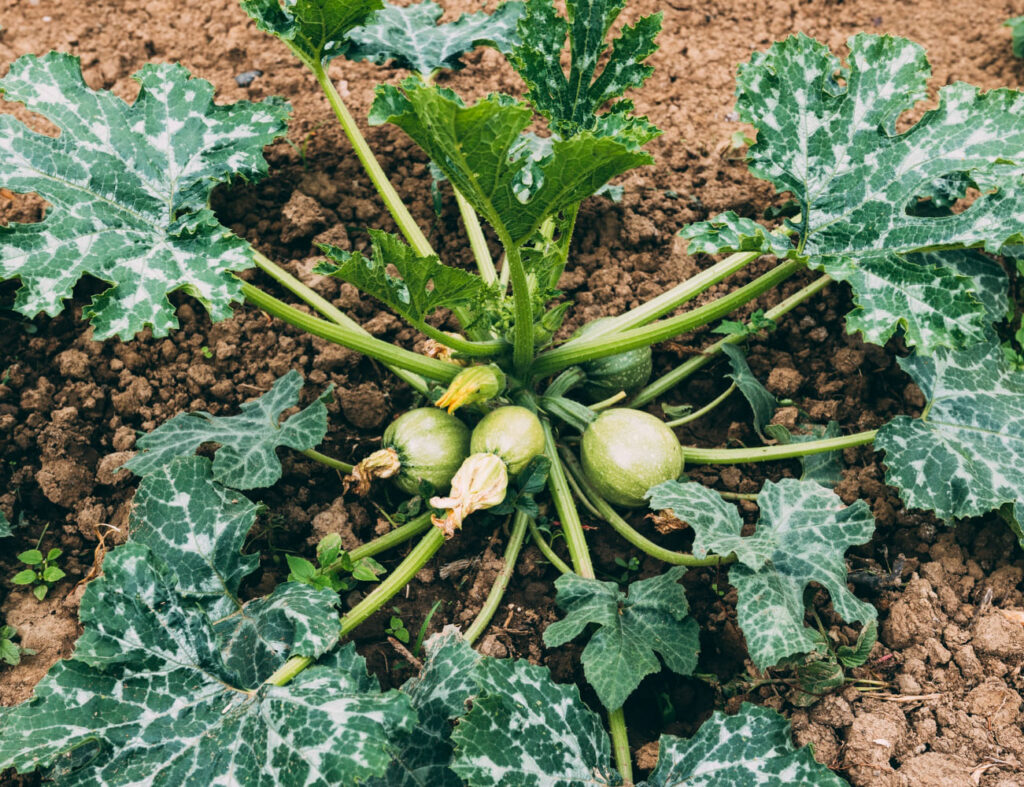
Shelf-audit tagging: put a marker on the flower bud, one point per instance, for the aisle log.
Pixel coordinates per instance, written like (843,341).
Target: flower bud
(480,483)
(475,384)
(380,464)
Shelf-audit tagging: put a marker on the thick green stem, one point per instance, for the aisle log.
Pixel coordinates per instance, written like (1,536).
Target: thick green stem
(768,453)
(522,352)
(575,539)
(327,309)
(336,464)
(408,226)
(668,381)
(385,542)
(624,529)
(477,241)
(546,550)
(515,543)
(620,744)
(704,410)
(484,349)
(353,339)
(566,355)
(400,577)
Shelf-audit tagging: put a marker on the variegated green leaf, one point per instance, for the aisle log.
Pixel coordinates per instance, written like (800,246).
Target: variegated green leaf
(826,468)
(525,730)
(1014,516)
(423,284)
(801,536)
(988,278)
(965,456)
(128,186)
(762,403)
(149,698)
(754,748)
(315,30)
(411,38)
(198,528)
(247,457)
(826,133)
(472,146)
(439,695)
(730,232)
(652,618)
(1016,25)
(571,102)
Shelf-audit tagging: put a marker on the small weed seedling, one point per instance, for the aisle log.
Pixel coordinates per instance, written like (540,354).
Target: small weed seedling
(196,686)
(10,651)
(396,628)
(42,572)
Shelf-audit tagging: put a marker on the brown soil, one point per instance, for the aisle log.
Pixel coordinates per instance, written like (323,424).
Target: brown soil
(70,408)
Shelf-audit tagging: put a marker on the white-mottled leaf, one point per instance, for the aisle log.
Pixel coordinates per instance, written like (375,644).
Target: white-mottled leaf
(128,186)
(5,526)
(826,133)
(801,536)
(966,456)
(754,748)
(315,30)
(525,730)
(149,698)
(411,37)
(247,457)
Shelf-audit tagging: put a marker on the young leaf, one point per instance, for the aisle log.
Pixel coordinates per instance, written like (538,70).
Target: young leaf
(833,145)
(315,30)
(198,528)
(300,569)
(426,284)
(801,536)
(149,698)
(1016,25)
(751,748)
(128,187)
(827,468)
(247,457)
(631,629)
(412,38)
(25,577)
(30,557)
(525,730)
(472,146)
(965,456)
(571,103)
(762,403)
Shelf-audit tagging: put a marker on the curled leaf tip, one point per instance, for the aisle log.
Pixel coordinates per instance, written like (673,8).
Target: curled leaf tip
(380,464)
(481,482)
(475,384)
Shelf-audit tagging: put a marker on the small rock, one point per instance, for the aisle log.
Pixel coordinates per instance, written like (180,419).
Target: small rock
(246,78)
(784,381)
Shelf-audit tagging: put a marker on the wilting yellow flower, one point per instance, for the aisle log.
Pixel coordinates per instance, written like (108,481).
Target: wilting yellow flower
(380,464)
(480,483)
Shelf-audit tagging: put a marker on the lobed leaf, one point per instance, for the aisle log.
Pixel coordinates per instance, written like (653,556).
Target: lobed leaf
(411,38)
(148,697)
(524,730)
(632,628)
(762,403)
(424,284)
(315,30)
(571,102)
(473,147)
(750,748)
(801,535)
(247,457)
(128,186)
(826,133)
(965,455)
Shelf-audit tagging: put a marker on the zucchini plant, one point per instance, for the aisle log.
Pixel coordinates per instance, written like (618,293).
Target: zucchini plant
(177,680)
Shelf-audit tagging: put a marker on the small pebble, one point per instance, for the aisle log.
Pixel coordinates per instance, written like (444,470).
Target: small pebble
(246,78)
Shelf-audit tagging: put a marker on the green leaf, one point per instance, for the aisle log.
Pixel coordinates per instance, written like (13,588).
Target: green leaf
(631,629)
(52,574)
(424,284)
(9,652)
(525,730)
(801,535)
(315,30)
(472,146)
(1016,25)
(26,577)
(1014,517)
(751,748)
(762,403)
(247,457)
(31,557)
(301,569)
(148,697)
(53,554)
(827,468)
(40,591)
(366,570)
(728,231)
(571,103)
(5,526)
(826,133)
(412,38)
(966,457)
(198,528)
(128,187)
(858,654)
